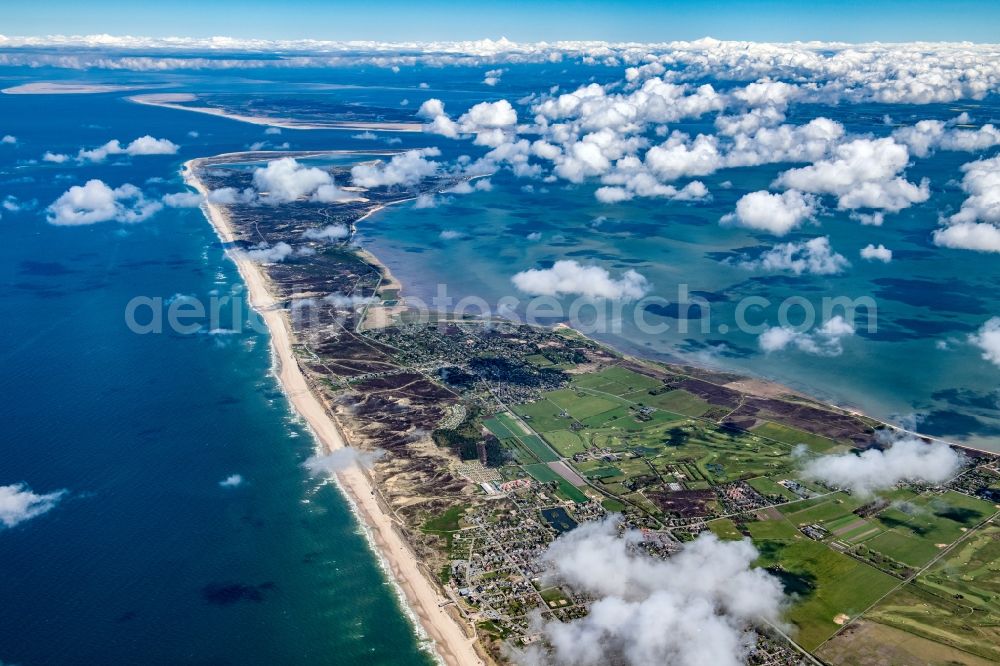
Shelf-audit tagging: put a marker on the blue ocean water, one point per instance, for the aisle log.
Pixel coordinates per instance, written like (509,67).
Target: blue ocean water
(147,559)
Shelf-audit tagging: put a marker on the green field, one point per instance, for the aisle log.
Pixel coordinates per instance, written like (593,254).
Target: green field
(617,381)
(773,530)
(821,510)
(768,487)
(794,436)
(725,529)
(580,404)
(545,474)
(825,584)
(498,428)
(567,443)
(506,429)
(956,602)
(922,611)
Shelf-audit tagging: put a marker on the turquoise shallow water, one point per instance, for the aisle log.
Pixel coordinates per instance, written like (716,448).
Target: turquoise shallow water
(915,366)
(147,559)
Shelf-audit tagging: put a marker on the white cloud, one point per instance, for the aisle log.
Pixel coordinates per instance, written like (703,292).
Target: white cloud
(774,213)
(913,73)
(927,135)
(232,481)
(679,157)
(862,173)
(979,236)
(987,338)
(873,253)
(183,200)
(97,202)
(406,169)
(450,234)
(825,341)
(977,225)
(227,196)
(18,503)
(144,145)
(331,232)
(341,459)
(815,257)
(492,77)
(285,180)
(8,140)
(270,254)
(909,459)
(869,219)
(426,200)
(56,158)
(630,178)
(695,608)
(569,277)
(492,123)
(786,143)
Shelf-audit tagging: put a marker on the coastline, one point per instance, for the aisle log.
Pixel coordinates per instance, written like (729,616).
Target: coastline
(423,598)
(166,101)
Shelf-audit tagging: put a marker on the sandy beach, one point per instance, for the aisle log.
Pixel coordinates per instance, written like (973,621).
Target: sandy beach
(172,101)
(451,641)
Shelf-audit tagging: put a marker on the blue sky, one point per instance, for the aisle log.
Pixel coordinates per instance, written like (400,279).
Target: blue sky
(639,20)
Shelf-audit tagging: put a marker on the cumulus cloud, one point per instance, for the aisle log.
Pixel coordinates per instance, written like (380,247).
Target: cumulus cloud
(492,77)
(406,169)
(569,277)
(987,338)
(285,180)
(228,196)
(697,607)
(909,459)
(873,253)
(774,213)
(863,173)
(977,225)
(331,232)
(144,145)
(979,236)
(232,481)
(340,459)
(55,158)
(18,503)
(825,341)
(95,202)
(815,257)
(492,123)
(270,254)
(785,143)
(426,201)
(679,156)
(8,140)
(182,200)
(927,135)
(450,234)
